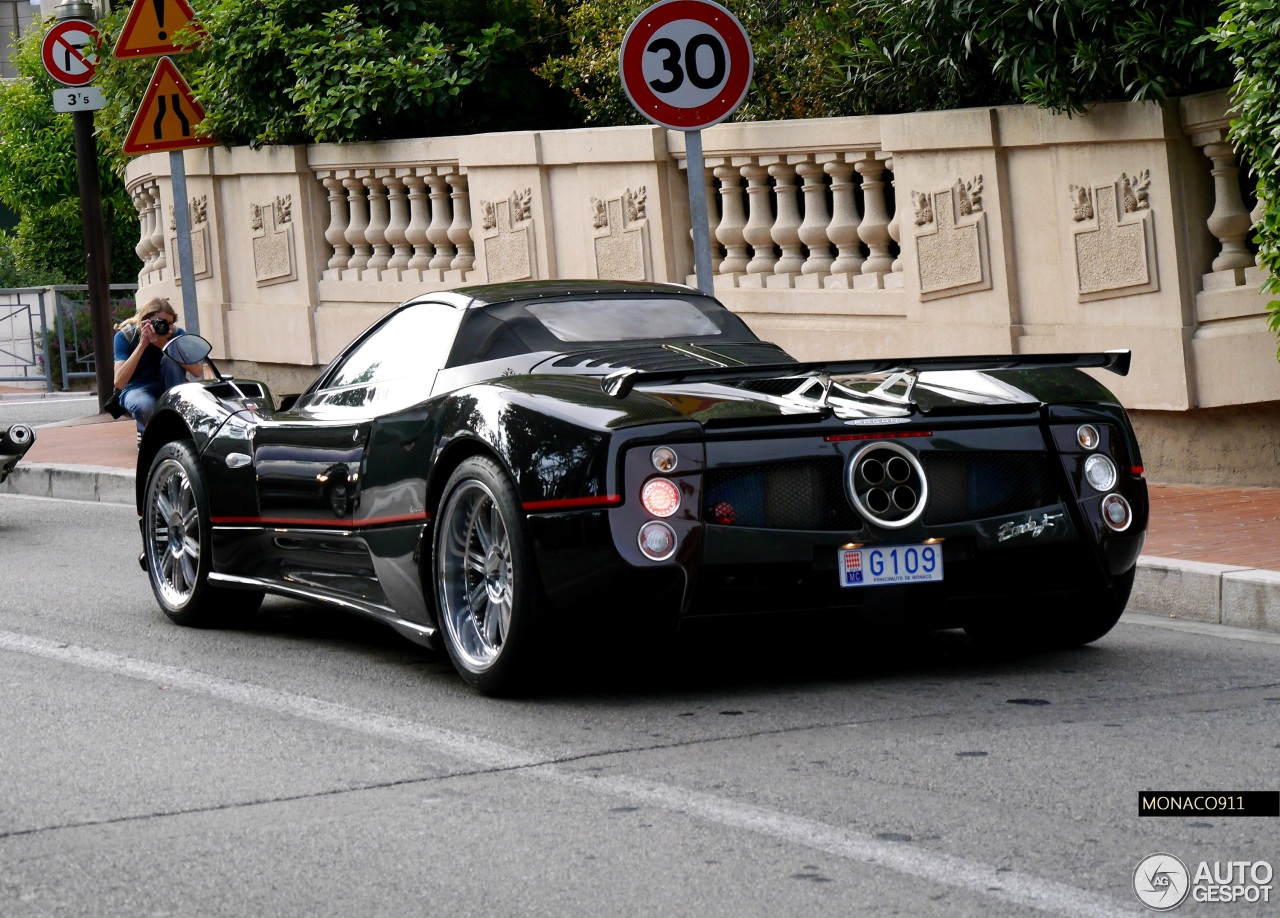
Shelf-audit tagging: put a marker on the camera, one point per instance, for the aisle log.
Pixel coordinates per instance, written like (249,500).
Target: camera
(160,326)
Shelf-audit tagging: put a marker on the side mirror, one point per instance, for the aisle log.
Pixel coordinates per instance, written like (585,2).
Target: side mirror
(188,349)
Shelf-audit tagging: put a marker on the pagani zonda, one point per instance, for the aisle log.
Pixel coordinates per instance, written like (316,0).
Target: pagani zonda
(482,462)
(15,440)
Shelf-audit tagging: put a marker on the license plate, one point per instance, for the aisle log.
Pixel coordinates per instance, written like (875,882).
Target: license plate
(888,564)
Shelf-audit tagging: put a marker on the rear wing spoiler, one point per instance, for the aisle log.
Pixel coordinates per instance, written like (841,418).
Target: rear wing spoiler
(620,384)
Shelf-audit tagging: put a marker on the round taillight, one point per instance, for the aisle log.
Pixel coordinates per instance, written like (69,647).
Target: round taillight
(664,459)
(1100,472)
(1116,512)
(660,496)
(1087,436)
(657,541)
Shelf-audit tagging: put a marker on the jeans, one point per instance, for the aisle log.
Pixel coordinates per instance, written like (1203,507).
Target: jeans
(140,401)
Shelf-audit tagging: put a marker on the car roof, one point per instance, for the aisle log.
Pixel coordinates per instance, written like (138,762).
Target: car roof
(491,294)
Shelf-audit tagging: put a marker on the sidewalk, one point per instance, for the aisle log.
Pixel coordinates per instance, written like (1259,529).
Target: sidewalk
(1212,553)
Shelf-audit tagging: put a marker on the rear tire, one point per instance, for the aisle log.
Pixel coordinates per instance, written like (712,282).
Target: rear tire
(177,543)
(1062,622)
(487,591)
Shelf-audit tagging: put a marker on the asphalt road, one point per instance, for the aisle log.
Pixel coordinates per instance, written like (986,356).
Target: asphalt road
(308,763)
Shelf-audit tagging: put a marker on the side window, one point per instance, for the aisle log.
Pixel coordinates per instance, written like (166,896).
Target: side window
(396,365)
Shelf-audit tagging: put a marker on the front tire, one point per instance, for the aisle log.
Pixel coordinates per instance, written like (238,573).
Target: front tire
(177,538)
(486,587)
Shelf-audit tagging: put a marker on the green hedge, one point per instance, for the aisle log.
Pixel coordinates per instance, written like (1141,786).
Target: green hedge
(1249,30)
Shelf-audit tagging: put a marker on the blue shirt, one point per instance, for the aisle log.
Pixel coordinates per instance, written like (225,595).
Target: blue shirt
(147,375)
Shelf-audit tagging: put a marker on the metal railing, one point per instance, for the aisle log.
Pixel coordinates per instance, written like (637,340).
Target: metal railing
(27,346)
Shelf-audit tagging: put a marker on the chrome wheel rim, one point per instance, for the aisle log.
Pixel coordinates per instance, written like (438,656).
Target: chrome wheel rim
(173,534)
(475,575)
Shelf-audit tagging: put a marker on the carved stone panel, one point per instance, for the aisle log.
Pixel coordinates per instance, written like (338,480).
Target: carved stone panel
(1113,239)
(951,241)
(621,236)
(508,239)
(201,257)
(273,253)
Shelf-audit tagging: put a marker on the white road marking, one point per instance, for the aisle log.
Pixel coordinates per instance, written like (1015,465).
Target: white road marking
(972,876)
(68,500)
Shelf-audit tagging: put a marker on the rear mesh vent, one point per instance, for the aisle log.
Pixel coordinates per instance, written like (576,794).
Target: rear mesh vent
(965,486)
(807,494)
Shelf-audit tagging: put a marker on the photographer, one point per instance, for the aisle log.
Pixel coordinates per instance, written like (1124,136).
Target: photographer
(142,374)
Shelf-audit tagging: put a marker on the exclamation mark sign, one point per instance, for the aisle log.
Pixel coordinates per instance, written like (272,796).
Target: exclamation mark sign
(159,5)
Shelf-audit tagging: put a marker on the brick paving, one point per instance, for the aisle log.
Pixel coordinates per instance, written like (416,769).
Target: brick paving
(96,440)
(1220,525)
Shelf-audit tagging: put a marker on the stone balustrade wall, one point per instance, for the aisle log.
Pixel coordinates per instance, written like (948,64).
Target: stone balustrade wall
(999,230)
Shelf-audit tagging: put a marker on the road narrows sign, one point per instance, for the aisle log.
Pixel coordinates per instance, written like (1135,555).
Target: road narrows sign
(68,52)
(686,64)
(151,26)
(168,115)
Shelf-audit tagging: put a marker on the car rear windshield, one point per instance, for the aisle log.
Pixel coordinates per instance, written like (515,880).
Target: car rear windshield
(524,327)
(622,320)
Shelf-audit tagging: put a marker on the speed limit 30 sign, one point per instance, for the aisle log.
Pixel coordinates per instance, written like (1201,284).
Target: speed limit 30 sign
(686,64)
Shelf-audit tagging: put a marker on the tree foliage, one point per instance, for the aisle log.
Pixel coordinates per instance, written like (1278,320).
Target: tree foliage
(307,71)
(39,182)
(1249,31)
(1057,54)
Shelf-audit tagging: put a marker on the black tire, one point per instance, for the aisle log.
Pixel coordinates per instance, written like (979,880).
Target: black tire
(176,543)
(1061,622)
(487,592)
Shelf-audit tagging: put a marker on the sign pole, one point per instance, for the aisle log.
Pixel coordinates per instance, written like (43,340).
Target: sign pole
(65,59)
(687,65)
(698,211)
(96,255)
(181,216)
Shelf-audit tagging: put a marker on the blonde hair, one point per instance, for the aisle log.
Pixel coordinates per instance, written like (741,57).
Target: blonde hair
(147,309)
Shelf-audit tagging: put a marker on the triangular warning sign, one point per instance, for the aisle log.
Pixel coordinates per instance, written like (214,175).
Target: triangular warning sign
(168,115)
(151,26)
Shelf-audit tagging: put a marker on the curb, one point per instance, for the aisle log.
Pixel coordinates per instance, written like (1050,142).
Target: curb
(71,482)
(1220,594)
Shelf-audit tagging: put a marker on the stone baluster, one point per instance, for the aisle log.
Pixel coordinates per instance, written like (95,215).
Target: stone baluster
(358,205)
(713,218)
(157,230)
(398,222)
(895,230)
(874,228)
(460,228)
(1229,222)
(1255,216)
(814,229)
(732,220)
(142,201)
(339,216)
(419,218)
(441,220)
(843,230)
(379,219)
(759,229)
(786,226)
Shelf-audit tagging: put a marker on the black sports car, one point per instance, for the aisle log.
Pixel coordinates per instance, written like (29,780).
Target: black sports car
(485,463)
(15,440)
